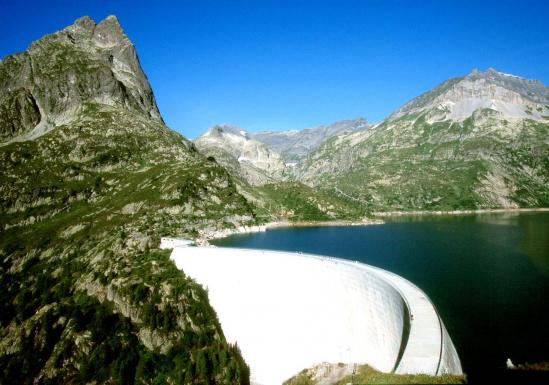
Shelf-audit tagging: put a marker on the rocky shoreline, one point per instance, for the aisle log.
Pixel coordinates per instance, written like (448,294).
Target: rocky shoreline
(207,235)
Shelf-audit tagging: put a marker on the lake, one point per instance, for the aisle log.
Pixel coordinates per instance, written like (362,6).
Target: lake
(487,274)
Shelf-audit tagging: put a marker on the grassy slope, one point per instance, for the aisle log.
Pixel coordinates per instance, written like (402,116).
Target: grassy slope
(297,202)
(410,164)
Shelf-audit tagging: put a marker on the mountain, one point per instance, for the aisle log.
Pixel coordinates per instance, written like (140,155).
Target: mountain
(296,144)
(235,149)
(479,141)
(268,156)
(266,181)
(457,99)
(48,84)
(90,179)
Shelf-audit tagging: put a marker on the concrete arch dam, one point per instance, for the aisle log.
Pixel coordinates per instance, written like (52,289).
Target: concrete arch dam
(291,311)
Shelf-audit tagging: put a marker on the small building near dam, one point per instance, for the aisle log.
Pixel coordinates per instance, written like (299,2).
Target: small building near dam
(291,311)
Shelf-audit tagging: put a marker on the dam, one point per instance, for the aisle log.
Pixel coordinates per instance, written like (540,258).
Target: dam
(290,311)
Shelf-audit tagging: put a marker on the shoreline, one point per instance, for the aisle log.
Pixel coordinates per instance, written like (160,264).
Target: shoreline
(208,235)
(456,212)
(376,219)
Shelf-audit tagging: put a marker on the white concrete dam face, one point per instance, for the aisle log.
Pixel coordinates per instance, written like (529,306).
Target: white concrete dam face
(290,311)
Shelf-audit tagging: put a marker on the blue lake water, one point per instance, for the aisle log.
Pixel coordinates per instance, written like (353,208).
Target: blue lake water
(487,274)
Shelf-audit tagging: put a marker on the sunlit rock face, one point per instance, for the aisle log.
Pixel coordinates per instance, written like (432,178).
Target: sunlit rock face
(457,99)
(49,84)
(290,311)
(243,156)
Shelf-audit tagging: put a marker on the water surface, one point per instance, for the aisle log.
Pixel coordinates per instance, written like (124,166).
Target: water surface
(487,274)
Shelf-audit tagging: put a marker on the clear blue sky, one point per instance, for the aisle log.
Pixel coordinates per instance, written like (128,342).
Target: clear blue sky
(295,64)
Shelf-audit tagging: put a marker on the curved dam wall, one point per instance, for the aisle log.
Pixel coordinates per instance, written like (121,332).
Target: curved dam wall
(428,348)
(290,311)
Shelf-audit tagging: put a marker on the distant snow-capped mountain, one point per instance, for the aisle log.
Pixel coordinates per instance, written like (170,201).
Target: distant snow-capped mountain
(267,156)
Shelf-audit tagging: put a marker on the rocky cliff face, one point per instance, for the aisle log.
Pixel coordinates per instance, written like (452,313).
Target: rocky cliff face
(48,84)
(474,142)
(235,149)
(90,179)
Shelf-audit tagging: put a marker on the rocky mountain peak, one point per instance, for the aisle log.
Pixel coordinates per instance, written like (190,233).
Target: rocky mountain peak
(224,129)
(109,32)
(533,90)
(456,99)
(85,23)
(60,73)
(237,150)
(85,32)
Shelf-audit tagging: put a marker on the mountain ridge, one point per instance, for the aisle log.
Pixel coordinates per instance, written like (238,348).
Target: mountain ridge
(269,156)
(295,144)
(430,154)
(472,142)
(483,90)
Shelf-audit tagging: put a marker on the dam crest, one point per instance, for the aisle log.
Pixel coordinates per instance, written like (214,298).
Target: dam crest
(290,311)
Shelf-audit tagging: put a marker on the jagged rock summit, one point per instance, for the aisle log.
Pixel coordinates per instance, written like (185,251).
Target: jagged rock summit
(48,84)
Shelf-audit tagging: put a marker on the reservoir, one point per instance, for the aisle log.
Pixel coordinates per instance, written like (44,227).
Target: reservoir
(487,274)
